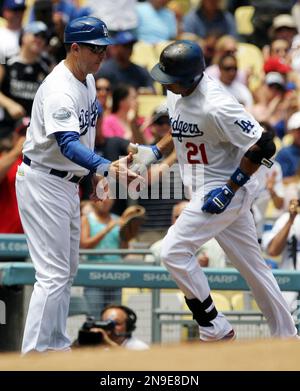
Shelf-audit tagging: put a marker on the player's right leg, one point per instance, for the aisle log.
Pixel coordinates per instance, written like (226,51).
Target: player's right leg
(192,229)
(45,205)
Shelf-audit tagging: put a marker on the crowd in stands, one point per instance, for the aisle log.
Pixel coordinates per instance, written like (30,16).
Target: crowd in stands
(261,69)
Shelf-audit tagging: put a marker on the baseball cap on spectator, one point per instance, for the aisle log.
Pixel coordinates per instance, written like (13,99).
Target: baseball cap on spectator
(294,121)
(283,20)
(35,28)
(124,38)
(160,112)
(14,4)
(275,64)
(275,78)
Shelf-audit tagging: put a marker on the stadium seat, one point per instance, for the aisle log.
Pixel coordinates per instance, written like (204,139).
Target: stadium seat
(237,301)
(241,302)
(2,22)
(159,47)
(243,19)
(287,140)
(250,58)
(221,301)
(144,55)
(147,104)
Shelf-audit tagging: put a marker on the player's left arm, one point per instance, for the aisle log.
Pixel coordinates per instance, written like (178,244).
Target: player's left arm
(260,153)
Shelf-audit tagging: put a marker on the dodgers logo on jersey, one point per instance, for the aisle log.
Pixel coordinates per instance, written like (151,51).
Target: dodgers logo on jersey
(181,129)
(246,126)
(88,118)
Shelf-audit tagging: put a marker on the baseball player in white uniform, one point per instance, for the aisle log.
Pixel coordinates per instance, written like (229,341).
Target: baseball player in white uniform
(214,135)
(58,153)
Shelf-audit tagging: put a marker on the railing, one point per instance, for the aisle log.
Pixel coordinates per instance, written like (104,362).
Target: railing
(123,275)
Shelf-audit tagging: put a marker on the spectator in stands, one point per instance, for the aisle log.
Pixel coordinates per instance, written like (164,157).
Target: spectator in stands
(156,247)
(289,157)
(296,14)
(159,124)
(103,230)
(225,45)
(165,187)
(207,17)
(271,188)
(295,54)
(209,47)
(156,23)
(103,89)
(123,120)
(209,255)
(13,12)
(118,15)
(284,240)
(119,69)
(284,27)
(10,159)
(21,76)
(64,8)
(266,14)
(228,70)
(273,103)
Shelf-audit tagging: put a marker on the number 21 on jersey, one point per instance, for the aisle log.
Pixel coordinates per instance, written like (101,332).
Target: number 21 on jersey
(196,154)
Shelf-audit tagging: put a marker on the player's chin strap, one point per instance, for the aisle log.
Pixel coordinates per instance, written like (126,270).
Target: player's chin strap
(203,312)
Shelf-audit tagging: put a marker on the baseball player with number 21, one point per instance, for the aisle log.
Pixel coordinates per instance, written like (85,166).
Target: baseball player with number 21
(58,153)
(211,131)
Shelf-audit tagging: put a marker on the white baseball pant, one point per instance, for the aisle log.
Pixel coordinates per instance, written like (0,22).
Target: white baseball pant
(50,214)
(235,231)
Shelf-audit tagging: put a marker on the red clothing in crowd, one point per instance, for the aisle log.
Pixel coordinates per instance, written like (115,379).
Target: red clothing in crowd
(9,215)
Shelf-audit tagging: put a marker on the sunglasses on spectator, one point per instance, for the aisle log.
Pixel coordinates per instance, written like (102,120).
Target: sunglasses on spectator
(230,68)
(95,49)
(162,121)
(107,89)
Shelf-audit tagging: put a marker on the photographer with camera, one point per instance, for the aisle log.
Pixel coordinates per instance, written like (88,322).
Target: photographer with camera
(115,328)
(284,240)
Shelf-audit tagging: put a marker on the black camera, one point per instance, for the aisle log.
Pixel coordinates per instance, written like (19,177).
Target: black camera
(88,337)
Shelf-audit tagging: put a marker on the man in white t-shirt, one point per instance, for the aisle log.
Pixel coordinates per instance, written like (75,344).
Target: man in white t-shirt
(58,153)
(219,146)
(284,240)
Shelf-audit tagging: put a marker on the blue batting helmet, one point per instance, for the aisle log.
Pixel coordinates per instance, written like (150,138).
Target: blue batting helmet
(181,62)
(87,29)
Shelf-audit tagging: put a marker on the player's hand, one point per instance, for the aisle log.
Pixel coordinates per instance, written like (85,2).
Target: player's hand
(143,156)
(120,171)
(217,200)
(294,208)
(106,339)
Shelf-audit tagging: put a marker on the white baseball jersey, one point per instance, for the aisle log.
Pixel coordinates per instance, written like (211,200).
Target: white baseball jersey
(62,104)
(212,132)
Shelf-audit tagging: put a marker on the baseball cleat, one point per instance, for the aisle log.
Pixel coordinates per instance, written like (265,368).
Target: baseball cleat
(231,336)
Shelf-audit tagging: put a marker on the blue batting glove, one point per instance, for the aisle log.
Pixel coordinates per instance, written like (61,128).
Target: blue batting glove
(217,200)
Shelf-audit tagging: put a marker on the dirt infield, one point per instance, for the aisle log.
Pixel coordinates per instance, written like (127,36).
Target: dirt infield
(269,355)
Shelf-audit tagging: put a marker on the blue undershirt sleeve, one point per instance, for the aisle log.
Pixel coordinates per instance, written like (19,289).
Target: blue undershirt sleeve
(78,153)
